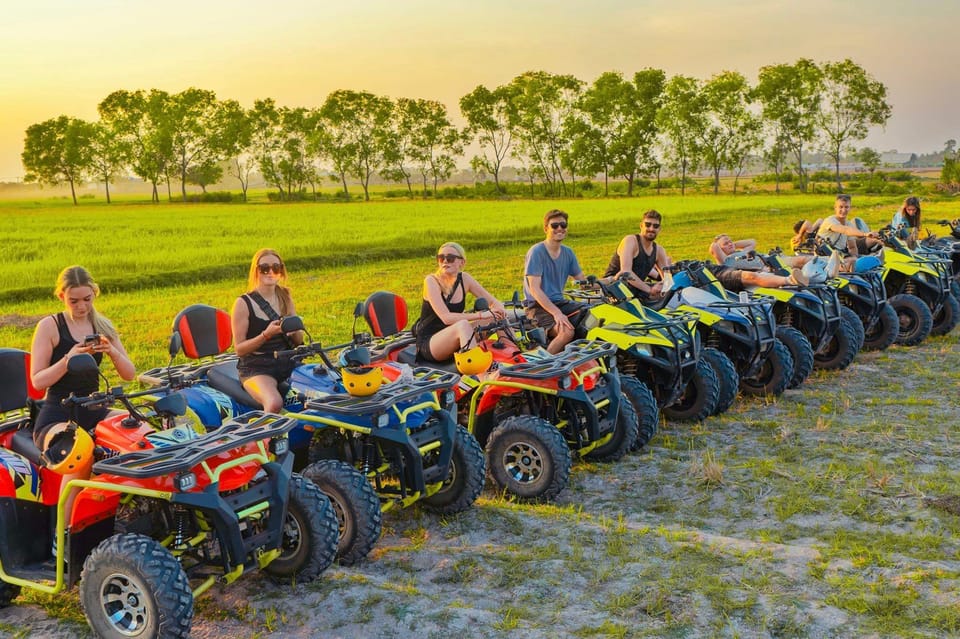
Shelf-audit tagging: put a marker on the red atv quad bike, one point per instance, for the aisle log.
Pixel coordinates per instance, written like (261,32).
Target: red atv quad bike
(532,408)
(156,517)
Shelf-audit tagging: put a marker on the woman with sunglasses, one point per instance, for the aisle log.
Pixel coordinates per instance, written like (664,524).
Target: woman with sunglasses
(78,329)
(444,327)
(257,334)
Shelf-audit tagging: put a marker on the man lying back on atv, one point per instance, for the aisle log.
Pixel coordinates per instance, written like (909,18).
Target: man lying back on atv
(738,266)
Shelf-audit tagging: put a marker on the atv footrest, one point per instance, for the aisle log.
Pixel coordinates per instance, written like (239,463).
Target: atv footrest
(246,429)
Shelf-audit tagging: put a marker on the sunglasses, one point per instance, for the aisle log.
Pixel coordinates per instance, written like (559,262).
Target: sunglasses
(558,225)
(266,268)
(448,258)
(652,225)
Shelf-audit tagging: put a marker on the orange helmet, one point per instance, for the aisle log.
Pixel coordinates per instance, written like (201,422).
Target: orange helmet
(362,381)
(473,361)
(69,451)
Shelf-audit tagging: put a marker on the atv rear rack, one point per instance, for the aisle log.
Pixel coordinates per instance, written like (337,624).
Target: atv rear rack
(425,380)
(575,354)
(248,428)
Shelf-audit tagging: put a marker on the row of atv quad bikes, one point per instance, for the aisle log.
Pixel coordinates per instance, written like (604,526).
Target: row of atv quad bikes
(191,484)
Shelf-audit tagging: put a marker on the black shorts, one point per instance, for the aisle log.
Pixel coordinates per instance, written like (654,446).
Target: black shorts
(730,278)
(541,318)
(253,365)
(423,350)
(53,412)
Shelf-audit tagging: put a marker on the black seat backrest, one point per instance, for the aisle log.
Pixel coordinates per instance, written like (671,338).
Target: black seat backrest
(204,330)
(385,313)
(16,390)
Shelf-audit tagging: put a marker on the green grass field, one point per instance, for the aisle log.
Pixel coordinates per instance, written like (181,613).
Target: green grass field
(831,511)
(153,260)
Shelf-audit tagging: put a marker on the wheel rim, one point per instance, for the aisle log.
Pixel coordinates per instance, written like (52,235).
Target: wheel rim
(451,477)
(124,605)
(292,535)
(344,523)
(908,321)
(523,462)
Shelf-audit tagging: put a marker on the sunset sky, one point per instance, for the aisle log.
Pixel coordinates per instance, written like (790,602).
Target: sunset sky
(62,57)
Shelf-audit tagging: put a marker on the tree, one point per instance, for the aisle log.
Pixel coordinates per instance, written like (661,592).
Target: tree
(869,158)
(284,141)
(138,119)
(435,142)
(195,132)
(790,94)
(683,121)
(57,151)
(730,130)
(618,127)
(357,138)
(542,105)
(108,155)
(488,114)
(203,175)
(852,102)
(237,126)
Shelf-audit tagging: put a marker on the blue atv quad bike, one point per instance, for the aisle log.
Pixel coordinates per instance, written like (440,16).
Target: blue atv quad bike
(369,445)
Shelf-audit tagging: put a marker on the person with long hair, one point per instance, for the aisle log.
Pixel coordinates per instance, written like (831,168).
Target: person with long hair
(444,327)
(257,333)
(77,329)
(907,220)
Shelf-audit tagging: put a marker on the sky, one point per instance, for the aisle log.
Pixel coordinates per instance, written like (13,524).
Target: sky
(62,57)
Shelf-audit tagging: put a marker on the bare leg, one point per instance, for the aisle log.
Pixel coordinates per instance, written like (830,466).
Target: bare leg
(263,388)
(451,339)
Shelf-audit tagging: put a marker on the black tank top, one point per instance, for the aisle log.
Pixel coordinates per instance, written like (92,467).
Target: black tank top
(642,263)
(429,324)
(256,325)
(71,382)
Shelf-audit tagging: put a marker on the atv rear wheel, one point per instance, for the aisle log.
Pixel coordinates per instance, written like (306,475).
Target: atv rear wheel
(946,320)
(843,346)
(309,543)
(529,458)
(883,332)
(624,434)
(464,483)
(699,398)
(645,405)
(355,505)
(774,374)
(8,592)
(800,350)
(915,319)
(727,378)
(132,586)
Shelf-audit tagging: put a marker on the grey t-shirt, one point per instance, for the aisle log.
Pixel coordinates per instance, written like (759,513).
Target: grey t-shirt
(553,273)
(832,232)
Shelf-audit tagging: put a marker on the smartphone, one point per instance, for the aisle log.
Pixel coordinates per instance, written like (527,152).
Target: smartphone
(91,340)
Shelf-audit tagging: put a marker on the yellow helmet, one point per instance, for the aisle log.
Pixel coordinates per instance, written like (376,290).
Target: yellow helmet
(69,451)
(362,381)
(473,361)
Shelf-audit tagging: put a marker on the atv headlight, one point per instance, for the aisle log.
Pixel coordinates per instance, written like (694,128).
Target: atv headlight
(563,383)
(185,481)
(642,350)
(279,446)
(448,398)
(383,420)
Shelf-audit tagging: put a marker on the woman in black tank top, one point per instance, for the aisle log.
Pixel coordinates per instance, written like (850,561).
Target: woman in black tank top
(255,321)
(444,327)
(59,337)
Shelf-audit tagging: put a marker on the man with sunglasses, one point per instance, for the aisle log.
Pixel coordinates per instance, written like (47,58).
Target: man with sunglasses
(639,256)
(547,267)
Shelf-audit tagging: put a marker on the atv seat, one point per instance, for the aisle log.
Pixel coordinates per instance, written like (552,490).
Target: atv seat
(225,378)
(385,313)
(17,394)
(22,443)
(204,330)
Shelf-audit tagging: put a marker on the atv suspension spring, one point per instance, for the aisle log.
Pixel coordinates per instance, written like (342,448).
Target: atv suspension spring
(787,318)
(367,465)
(713,341)
(910,287)
(180,521)
(627,366)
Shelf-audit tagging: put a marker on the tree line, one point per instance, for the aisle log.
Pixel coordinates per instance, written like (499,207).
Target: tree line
(557,128)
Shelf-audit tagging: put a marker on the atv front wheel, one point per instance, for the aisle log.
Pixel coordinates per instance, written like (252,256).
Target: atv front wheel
(774,374)
(529,458)
(800,350)
(843,346)
(727,378)
(309,543)
(464,482)
(883,332)
(699,399)
(946,320)
(645,405)
(624,435)
(914,316)
(131,586)
(355,505)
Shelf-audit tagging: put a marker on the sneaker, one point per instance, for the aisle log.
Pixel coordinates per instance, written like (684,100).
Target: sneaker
(798,278)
